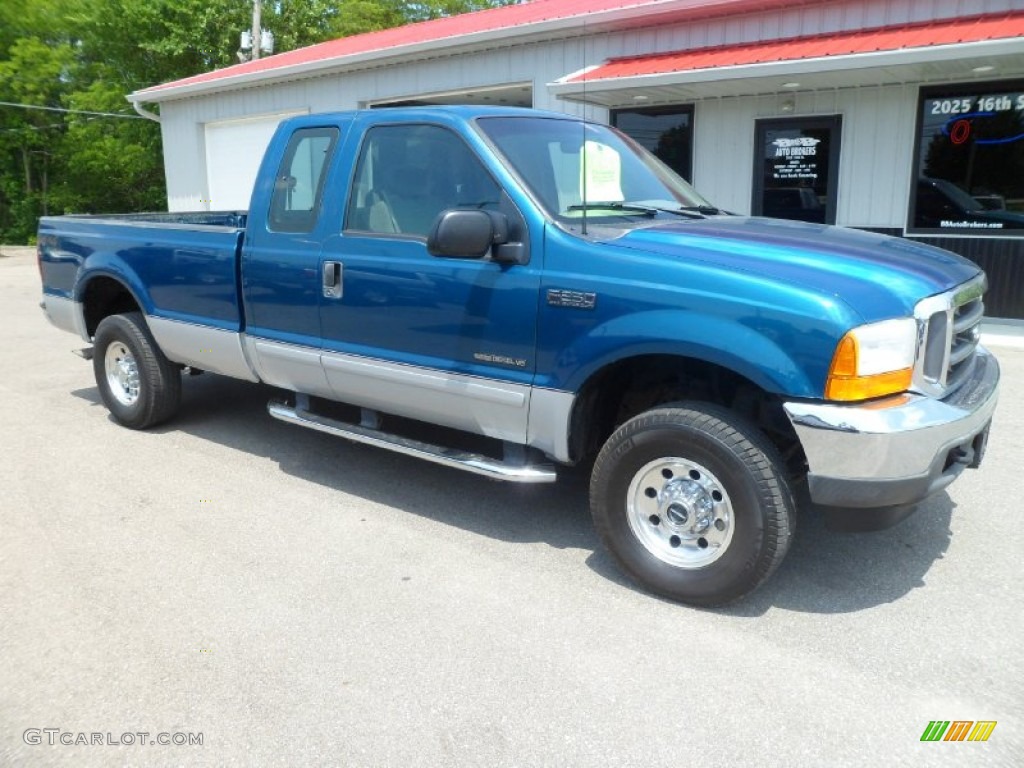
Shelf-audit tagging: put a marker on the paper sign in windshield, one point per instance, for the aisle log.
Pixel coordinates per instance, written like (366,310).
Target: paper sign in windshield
(601,173)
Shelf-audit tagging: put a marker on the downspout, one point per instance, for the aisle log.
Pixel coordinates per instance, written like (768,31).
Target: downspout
(145,112)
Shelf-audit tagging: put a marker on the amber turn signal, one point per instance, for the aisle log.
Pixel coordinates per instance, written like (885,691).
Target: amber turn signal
(866,387)
(873,361)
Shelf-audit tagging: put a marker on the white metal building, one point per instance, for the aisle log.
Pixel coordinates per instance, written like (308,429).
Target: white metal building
(879,114)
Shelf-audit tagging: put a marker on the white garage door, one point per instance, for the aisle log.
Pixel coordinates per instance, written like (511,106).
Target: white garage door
(234,149)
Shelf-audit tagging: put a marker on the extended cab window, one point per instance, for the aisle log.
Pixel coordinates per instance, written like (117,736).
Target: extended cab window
(408,174)
(298,185)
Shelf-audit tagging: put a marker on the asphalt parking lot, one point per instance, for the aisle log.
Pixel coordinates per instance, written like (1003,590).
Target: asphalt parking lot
(299,601)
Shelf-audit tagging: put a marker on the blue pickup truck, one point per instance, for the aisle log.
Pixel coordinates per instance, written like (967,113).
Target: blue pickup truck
(505,291)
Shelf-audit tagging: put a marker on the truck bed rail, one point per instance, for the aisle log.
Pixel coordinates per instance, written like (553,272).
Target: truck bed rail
(233,219)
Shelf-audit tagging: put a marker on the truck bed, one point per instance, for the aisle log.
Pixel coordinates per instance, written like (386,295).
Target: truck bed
(179,266)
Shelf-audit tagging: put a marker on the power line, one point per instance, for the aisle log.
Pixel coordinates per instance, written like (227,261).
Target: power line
(23,128)
(70,111)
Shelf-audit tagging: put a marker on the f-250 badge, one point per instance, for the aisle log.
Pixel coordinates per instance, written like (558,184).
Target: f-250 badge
(558,297)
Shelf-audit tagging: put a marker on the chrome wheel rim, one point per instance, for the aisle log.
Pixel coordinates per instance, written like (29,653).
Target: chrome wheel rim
(680,512)
(122,373)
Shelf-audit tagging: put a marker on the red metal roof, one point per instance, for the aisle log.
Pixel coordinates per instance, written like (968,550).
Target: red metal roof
(435,29)
(967,30)
(494,20)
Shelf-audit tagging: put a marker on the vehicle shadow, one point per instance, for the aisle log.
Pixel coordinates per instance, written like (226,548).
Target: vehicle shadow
(234,414)
(830,572)
(824,572)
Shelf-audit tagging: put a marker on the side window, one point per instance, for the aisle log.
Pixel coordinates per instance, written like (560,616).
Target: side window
(298,185)
(408,174)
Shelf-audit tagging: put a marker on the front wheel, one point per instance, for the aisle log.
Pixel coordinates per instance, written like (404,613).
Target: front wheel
(139,386)
(692,503)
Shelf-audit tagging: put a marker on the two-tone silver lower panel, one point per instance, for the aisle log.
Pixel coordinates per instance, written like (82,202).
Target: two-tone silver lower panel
(487,407)
(203,347)
(66,314)
(516,413)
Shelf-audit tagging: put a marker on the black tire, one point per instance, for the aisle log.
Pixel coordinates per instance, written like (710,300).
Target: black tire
(154,393)
(672,473)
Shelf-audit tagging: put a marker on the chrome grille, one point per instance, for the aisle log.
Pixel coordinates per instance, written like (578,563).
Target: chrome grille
(966,333)
(950,327)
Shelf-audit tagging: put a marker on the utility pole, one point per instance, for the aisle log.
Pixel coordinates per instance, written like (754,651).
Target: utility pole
(257,10)
(257,40)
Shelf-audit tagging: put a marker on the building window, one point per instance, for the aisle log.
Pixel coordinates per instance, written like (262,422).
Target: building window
(969,163)
(665,131)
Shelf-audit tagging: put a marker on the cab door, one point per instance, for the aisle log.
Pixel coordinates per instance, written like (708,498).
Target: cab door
(280,260)
(445,340)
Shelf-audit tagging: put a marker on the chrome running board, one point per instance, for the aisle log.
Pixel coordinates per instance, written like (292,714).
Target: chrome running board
(470,462)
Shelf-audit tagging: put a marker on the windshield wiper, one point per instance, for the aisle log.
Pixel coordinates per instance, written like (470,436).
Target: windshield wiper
(646,210)
(642,208)
(707,210)
(690,212)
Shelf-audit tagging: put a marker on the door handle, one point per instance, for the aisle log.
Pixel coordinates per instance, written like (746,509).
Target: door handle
(333,279)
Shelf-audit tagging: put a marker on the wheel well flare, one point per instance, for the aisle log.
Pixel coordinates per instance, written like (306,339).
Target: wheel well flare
(628,387)
(105,296)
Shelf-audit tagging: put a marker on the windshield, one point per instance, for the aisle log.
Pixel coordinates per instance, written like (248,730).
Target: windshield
(575,169)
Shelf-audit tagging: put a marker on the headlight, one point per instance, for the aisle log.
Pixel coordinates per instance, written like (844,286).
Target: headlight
(873,361)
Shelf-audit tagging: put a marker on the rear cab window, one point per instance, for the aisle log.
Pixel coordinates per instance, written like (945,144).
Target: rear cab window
(299,182)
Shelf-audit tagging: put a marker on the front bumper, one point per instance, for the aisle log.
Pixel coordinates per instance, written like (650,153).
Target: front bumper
(871,463)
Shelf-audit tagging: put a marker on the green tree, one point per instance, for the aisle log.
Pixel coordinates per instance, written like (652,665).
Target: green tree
(36,72)
(109,164)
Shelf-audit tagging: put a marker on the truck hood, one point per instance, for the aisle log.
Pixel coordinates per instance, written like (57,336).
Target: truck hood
(876,275)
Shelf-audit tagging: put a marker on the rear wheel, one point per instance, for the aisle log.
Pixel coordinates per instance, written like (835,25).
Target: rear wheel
(139,386)
(692,503)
